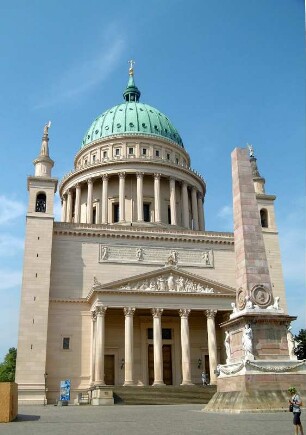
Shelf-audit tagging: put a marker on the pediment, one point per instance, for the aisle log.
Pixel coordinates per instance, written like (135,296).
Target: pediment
(166,280)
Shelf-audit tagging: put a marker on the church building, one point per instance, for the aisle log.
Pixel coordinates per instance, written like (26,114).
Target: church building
(130,287)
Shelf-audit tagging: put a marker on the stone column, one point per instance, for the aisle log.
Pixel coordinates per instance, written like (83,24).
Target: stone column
(100,345)
(172,201)
(201,212)
(139,176)
(104,202)
(77,208)
(212,344)
(121,196)
(194,205)
(157,346)
(64,207)
(93,346)
(157,197)
(185,205)
(128,364)
(186,364)
(89,200)
(69,206)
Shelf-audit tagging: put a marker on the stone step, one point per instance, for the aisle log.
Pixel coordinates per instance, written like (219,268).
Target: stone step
(167,395)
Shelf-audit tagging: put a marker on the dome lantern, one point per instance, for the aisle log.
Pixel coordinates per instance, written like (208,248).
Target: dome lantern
(132,93)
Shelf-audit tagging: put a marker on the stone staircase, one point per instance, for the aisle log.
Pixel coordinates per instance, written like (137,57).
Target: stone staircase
(166,395)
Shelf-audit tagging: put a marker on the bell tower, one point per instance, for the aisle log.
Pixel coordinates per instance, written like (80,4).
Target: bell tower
(32,339)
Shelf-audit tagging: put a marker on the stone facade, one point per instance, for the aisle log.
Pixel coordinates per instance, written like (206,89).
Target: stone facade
(129,289)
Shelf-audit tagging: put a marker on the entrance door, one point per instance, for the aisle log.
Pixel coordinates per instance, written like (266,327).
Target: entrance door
(109,369)
(167,364)
(151,364)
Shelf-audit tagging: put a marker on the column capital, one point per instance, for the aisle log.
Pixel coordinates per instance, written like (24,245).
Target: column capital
(157,312)
(105,177)
(121,175)
(89,181)
(69,192)
(139,174)
(157,176)
(101,310)
(210,314)
(77,185)
(194,189)
(64,196)
(129,311)
(93,316)
(184,312)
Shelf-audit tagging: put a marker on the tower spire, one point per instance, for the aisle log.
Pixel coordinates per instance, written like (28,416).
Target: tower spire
(259,181)
(43,164)
(132,93)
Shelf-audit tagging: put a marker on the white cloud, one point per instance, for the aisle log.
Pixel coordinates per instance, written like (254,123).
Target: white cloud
(225,214)
(87,73)
(10,245)
(10,278)
(10,209)
(57,209)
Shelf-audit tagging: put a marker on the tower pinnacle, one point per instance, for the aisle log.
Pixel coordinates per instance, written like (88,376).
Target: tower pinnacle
(259,181)
(43,164)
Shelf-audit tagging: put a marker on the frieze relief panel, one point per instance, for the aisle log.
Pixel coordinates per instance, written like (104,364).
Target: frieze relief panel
(157,256)
(169,283)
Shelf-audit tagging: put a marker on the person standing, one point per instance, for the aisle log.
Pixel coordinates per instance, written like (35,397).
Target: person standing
(204,378)
(296,403)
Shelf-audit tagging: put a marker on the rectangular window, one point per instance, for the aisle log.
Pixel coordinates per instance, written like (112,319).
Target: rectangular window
(94,215)
(156,153)
(94,158)
(117,152)
(66,343)
(144,151)
(146,212)
(168,156)
(177,161)
(104,154)
(115,212)
(131,151)
(166,334)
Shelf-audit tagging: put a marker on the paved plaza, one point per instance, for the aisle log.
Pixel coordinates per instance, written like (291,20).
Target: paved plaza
(143,420)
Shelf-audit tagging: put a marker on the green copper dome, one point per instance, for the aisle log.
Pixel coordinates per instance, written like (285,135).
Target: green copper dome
(132,117)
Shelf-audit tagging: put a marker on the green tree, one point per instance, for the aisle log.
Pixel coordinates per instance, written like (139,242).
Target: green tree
(300,350)
(7,368)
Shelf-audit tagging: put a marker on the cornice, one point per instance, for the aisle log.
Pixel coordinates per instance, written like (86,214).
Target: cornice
(128,232)
(112,163)
(77,300)
(265,196)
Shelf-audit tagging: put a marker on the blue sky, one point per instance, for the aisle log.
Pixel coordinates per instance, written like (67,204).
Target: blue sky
(226,73)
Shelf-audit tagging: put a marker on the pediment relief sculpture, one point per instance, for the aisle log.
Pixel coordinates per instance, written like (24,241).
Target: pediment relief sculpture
(168,283)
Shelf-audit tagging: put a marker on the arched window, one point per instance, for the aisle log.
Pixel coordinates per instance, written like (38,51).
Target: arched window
(41,203)
(264,218)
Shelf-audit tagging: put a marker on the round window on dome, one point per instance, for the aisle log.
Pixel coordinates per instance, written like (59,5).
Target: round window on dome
(106,127)
(118,125)
(131,124)
(88,136)
(155,126)
(96,131)
(144,125)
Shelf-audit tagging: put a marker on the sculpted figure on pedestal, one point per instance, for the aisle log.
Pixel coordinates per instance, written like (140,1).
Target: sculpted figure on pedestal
(247,342)
(227,346)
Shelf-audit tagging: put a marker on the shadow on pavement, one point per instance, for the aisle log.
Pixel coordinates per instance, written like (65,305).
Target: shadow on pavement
(26,417)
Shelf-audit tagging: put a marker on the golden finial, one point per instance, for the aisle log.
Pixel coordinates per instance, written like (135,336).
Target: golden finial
(131,69)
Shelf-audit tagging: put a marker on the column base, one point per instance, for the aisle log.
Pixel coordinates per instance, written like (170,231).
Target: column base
(129,383)
(99,384)
(186,383)
(158,384)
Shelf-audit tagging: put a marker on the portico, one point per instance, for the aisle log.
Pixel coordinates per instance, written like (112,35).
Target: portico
(169,330)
